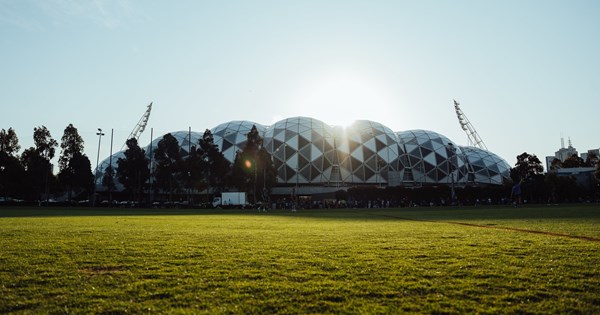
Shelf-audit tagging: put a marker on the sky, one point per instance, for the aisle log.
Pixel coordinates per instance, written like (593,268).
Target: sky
(526,73)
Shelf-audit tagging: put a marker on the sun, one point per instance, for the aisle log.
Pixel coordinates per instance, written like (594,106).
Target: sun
(341,98)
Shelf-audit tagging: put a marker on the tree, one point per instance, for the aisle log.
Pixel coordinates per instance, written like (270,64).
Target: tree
(75,172)
(9,142)
(244,172)
(219,168)
(556,164)
(253,169)
(132,171)
(597,173)
(36,160)
(196,167)
(591,160)
(71,143)
(168,164)
(44,144)
(11,170)
(573,161)
(108,179)
(12,175)
(268,179)
(527,166)
(215,165)
(561,188)
(529,169)
(82,180)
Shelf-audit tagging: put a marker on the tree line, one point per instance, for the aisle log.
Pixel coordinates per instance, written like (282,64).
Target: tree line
(175,171)
(540,187)
(31,176)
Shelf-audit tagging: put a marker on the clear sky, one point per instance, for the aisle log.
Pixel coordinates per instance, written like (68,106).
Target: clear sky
(525,72)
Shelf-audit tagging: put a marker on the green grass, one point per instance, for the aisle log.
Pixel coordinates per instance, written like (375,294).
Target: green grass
(421,260)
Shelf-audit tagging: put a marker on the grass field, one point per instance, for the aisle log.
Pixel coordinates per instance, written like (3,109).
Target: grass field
(421,260)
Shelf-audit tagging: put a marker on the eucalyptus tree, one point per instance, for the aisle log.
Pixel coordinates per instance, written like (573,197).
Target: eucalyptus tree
(75,171)
(530,171)
(45,145)
(168,171)
(527,167)
(108,178)
(195,167)
(573,161)
(36,160)
(11,170)
(215,166)
(9,142)
(253,168)
(591,160)
(132,170)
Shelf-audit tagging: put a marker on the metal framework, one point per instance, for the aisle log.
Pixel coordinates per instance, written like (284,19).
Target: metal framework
(140,126)
(465,124)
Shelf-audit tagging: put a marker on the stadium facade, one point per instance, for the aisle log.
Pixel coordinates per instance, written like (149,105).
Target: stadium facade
(310,153)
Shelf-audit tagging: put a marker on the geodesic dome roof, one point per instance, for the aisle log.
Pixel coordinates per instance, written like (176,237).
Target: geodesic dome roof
(231,136)
(182,137)
(367,151)
(310,152)
(111,160)
(431,159)
(302,150)
(487,167)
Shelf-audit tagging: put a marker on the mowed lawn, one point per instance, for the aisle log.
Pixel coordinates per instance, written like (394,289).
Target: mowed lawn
(422,260)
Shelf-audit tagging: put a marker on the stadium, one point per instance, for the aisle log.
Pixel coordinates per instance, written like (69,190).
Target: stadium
(314,157)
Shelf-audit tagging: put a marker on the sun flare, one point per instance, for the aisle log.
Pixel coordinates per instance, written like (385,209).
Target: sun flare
(340,99)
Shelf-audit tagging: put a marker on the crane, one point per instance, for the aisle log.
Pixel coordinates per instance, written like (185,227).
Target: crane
(140,126)
(465,124)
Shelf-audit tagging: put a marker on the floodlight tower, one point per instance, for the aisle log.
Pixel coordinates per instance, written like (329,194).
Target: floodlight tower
(140,126)
(465,124)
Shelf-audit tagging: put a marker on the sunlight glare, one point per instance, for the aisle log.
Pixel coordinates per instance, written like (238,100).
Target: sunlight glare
(342,98)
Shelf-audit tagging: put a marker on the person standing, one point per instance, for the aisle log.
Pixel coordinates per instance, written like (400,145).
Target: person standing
(516,193)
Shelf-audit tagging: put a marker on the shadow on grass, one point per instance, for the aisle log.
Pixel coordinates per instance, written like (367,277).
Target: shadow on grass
(475,217)
(572,211)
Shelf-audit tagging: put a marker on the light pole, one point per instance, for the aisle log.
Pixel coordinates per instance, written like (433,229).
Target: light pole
(264,191)
(377,172)
(255,179)
(1,185)
(189,188)
(46,187)
(378,162)
(451,168)
(297,176)
(99,134)
(112,171)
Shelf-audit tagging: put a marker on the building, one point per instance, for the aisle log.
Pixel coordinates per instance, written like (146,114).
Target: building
(315,156)
(591,154)
(564,153)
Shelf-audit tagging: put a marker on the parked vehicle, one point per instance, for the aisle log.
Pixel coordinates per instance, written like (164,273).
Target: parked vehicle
(231,200)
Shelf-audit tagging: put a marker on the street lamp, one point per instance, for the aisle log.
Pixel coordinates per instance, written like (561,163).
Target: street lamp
(99,134)
(451,168)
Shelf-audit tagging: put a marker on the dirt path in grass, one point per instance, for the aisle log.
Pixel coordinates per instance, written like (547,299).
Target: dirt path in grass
(579,237)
